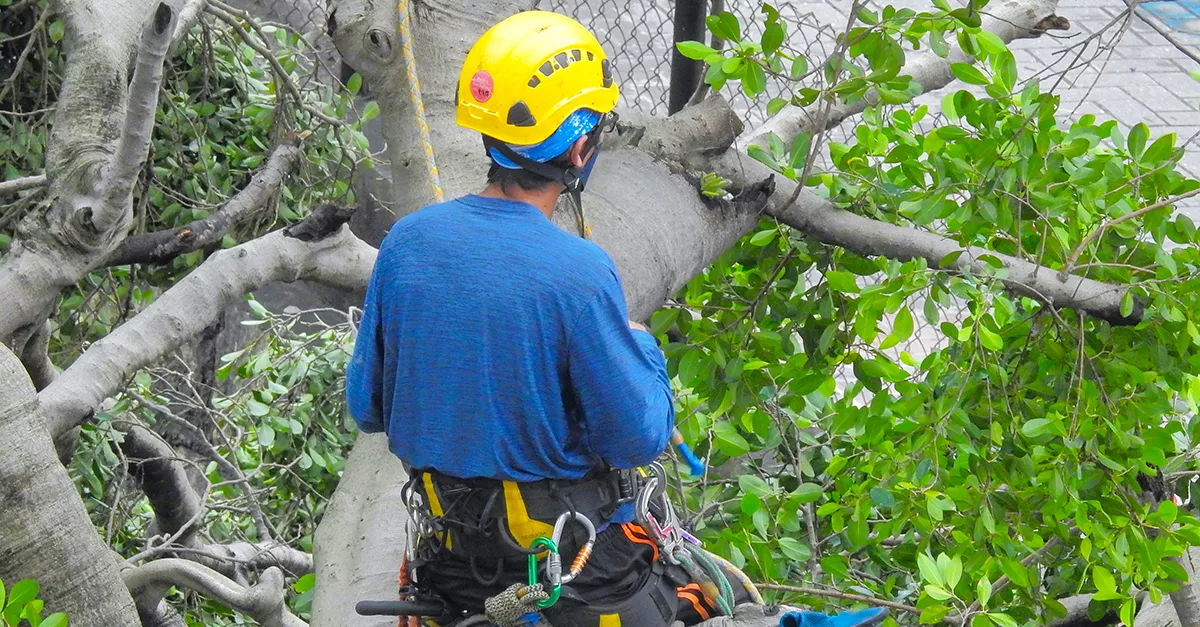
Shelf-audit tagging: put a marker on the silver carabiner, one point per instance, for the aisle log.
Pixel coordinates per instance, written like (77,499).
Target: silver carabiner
(554,561)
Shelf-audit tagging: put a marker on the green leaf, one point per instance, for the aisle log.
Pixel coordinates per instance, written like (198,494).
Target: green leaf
(929,570)
(1128,611)
(990,42)
(1004,620)
(953,572)
(371,110)
(799,66)
(1167,511)
(937,592)
(1137,139)
(799,151)
(795,550)
(841,281)
(57,29)
(694,50)
(772,38)
(983,591)
(1102,579)
(807,492)
(266,435)
(725,25)
(776,105)
(305,583)
(354,84)
(969,74)
(762,156)
(1160,150)
(989,338)
(1036,427)
(1127,303)
(729,441)
(257,408)
(882,497)
(762,238)
(57,619)
(2,593)
(902,328)
(755,80)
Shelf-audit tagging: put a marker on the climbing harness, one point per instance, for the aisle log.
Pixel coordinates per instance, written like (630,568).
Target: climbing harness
(414,92)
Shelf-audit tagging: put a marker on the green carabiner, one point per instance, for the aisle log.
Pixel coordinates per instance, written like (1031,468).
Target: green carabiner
(556,585)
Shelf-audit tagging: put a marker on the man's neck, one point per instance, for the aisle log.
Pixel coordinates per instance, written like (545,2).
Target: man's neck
(543,199)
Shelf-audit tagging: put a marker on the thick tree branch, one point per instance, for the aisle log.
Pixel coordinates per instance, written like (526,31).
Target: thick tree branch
(36,359)
(44,521)
(264,601)
(177,507)
(193,304)
(163,246)
(22,184)
(142,104)
(820,219)
(1009,20)
(189,15)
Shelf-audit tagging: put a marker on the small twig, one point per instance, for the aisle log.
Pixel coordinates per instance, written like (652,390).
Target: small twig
(21,184)
(1158,28)
(37,27)
(1070,265)
(844,595)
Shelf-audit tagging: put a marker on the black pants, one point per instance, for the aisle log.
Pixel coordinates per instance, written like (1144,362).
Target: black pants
(622,562)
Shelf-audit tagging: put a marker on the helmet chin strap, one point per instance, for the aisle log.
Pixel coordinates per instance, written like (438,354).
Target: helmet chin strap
(571,177)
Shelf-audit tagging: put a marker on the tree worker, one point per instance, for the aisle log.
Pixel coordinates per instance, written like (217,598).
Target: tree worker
(496,353)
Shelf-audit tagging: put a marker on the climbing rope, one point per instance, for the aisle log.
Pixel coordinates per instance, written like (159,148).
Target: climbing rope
(414,92)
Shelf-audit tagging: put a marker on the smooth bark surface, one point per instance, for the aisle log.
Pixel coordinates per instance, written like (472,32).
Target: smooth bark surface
(45,533)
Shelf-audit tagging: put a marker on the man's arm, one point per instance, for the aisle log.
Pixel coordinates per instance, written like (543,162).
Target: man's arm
(620,379)
(364,374)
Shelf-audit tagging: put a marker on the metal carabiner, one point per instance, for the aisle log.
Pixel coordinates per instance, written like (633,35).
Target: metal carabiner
(554,566)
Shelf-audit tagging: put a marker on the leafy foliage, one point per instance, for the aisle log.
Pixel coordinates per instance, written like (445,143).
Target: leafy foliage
(890,428)
(20,606)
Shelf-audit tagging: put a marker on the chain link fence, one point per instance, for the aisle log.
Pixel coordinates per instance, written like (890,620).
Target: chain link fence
(638,35)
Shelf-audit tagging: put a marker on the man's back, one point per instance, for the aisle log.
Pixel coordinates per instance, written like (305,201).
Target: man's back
(494,344)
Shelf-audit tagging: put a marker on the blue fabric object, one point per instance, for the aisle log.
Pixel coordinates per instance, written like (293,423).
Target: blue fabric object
(862,618)
(575,126)
(495,344)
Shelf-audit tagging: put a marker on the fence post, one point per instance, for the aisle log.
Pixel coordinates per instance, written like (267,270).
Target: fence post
(686,73)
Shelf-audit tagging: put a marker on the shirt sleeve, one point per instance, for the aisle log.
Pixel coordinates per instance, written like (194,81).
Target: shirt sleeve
(620,380)
(364,374)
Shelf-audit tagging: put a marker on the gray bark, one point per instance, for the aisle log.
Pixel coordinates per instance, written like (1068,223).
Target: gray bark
(22,184)
(1009,20)
(45,533)
(264,601)
(163,246)
(192,305)
(54,249)
(1181,608)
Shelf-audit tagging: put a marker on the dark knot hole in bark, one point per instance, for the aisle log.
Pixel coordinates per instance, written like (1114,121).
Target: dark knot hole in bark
(162,18)
(379,42)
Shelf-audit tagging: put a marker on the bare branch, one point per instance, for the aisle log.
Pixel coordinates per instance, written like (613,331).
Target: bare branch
(163,246)
(264,601)
(845,595)
(177,507)
(1012,19)
(194,303)
(1165,33)
(22,184)
(189,15)
(35,358)
(142,104)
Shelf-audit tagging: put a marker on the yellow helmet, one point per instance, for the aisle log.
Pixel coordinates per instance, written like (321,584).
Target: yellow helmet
(528,73)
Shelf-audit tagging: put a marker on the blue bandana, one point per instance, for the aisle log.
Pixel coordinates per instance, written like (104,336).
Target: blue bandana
(574,127)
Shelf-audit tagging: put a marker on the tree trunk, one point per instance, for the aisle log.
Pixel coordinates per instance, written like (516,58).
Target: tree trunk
(51,540)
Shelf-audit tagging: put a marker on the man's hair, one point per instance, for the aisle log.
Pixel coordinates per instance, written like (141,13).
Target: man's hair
(526,180)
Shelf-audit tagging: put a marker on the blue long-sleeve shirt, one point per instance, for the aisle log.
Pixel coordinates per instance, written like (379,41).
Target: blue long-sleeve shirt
(494,344)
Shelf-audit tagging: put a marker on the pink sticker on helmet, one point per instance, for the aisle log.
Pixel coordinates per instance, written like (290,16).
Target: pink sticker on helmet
(481,86)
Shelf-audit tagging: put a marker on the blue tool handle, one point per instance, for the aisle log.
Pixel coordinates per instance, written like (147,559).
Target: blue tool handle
(694,463)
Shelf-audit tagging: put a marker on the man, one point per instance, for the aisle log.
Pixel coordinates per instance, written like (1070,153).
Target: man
(496,354)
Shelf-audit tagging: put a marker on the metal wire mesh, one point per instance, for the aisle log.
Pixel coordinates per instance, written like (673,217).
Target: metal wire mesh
(638,36)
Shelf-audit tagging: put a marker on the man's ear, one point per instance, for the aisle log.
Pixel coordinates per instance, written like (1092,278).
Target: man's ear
(576,152)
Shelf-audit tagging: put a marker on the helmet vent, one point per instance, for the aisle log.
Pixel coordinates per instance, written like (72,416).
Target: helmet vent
(520,115)
(591,57)
(562,59)
(546,69)
(577,54)
(534,81)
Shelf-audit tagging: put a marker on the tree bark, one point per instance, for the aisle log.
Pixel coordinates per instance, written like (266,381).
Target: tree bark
(163,246)
(45,533)
(192,305)
(264,601)
(1009,20)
